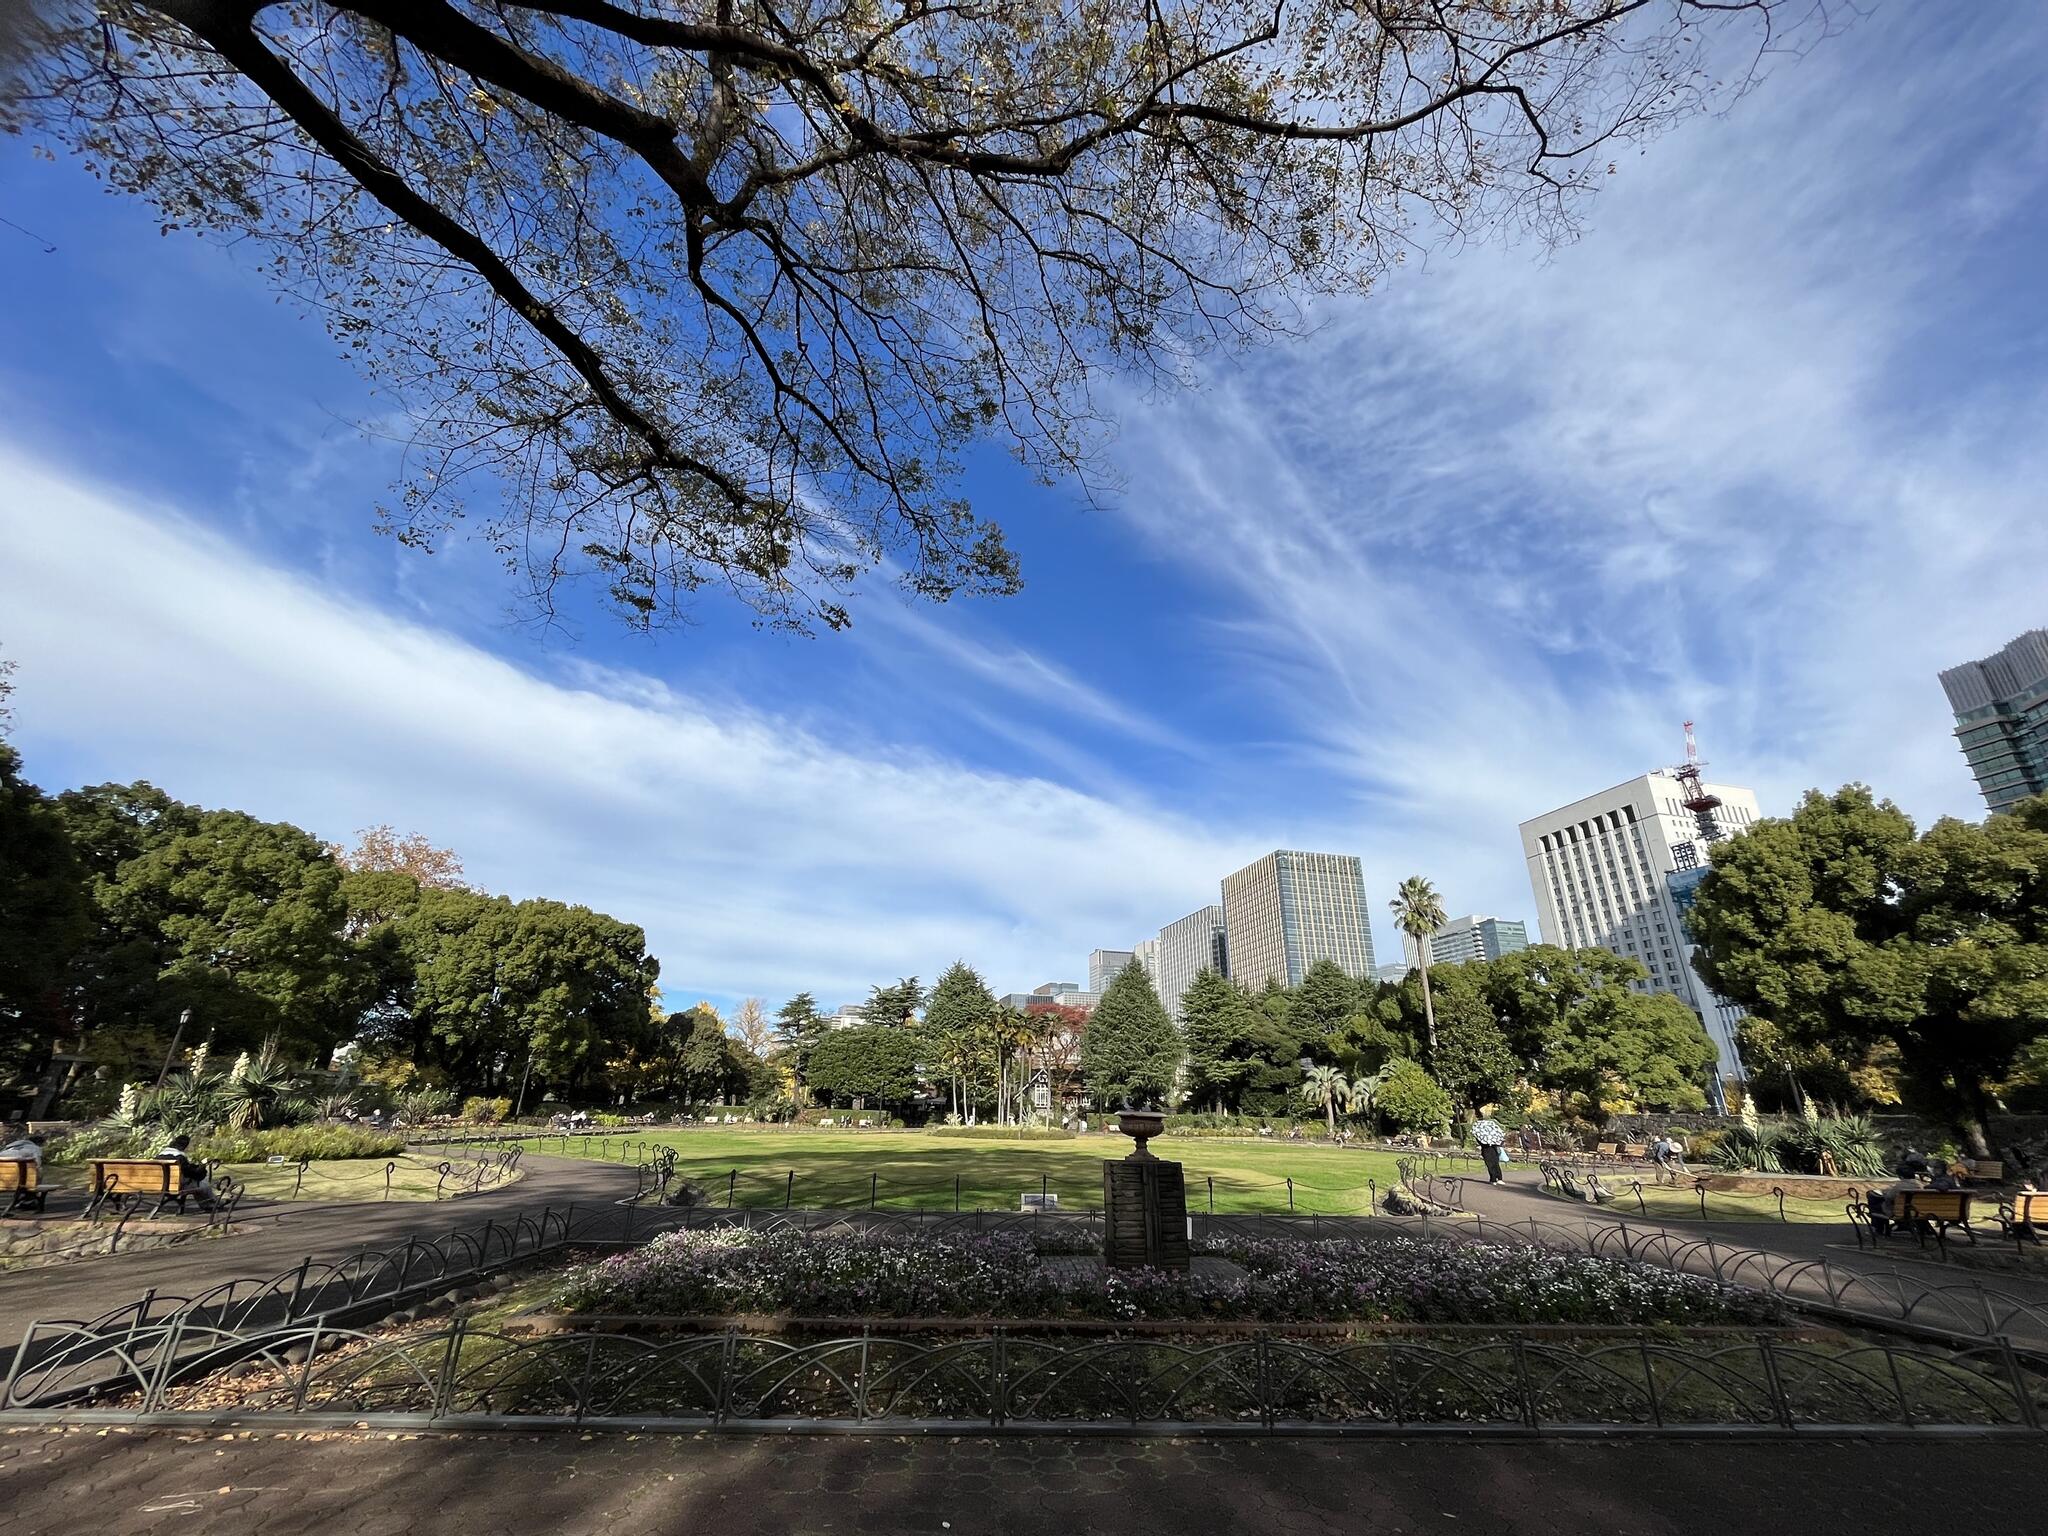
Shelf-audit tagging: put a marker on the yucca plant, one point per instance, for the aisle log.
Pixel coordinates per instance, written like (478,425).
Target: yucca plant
(259,1089)
(419,1104)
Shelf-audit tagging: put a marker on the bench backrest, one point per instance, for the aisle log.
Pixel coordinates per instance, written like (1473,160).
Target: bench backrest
(137,1175)
(1934,1204)
(1989,1171)
(18,1173)
(1605,1149)
(1636,1149)
(2030,1205)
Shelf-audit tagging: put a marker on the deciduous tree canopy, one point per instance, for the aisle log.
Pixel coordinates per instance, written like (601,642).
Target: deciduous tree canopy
(718,291)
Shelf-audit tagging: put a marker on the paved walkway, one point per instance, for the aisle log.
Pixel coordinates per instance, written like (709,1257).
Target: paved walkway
(1950,1292)
(601,1485)
(277,1236)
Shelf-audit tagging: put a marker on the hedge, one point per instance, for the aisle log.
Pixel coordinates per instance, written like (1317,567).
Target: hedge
(1004,1132)
(318,1142)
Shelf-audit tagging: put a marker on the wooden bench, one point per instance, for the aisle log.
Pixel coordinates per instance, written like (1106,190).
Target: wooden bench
(118,1180)
(1988,1171)
(1635,1149)
(22,1182)
(1933,1210)
(1604,1149)
(2024,1216)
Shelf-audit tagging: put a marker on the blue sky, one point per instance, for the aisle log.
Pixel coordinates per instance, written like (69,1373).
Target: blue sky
(1763,448)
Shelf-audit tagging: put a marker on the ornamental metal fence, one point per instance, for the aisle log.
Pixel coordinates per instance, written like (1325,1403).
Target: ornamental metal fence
(58,1358)
(1008,1379)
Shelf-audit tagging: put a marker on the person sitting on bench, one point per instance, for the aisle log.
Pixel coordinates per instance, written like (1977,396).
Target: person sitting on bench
(192,1176)
(23,1147)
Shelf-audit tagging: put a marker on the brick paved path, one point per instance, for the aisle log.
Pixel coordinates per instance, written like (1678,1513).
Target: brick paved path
(600,1485)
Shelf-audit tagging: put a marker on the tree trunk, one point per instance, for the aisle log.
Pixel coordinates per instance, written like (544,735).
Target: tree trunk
(1330,1115)
(1428,1007)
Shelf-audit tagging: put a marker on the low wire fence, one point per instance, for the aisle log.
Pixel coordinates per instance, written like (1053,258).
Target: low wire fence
(1020,1380)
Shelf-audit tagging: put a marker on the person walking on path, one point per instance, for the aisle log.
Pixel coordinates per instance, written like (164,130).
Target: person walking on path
(1491,1139)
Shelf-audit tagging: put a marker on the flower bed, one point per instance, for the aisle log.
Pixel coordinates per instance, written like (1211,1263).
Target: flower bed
(1393,1279)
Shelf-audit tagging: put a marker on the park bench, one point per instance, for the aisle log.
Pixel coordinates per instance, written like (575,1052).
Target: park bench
(1933,1210)
(1988,1171)
(119,1180)
(2023,1216)
(22,1183)
(1635,1150)
(1604,1149)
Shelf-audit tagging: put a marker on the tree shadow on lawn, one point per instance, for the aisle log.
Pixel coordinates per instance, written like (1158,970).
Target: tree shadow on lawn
(902,1172)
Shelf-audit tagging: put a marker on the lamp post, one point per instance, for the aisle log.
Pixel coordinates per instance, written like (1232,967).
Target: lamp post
(171,1055)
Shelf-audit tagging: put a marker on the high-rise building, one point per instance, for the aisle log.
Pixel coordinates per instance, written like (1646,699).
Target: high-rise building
(1104,966)
(2001,709)
(1396,972)
(1602,872)
(1146,953)
(1289,910)
(1476,938)
(1187,947)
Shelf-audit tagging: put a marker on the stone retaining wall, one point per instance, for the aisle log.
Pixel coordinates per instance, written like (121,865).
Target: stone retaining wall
(30,1242)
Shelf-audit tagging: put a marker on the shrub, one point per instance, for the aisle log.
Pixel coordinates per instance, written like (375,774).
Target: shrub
(477,1110)
(838,1117)
(318,1142)
(725,1271)
(1004,1132)
(1411,1099)
(417,1104)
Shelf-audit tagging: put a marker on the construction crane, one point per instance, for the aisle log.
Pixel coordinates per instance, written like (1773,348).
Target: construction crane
(1696,797)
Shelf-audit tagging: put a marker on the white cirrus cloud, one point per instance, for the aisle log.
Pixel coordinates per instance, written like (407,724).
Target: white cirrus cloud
(760,855)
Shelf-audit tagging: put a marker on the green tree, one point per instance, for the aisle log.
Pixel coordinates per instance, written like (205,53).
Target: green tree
(799,1026)
(1130,1051)
(1216,1022)
(1652,1049)
(45,919)
(1419,912)
(1328,1089)
(894,1003)
(1472,1062)
(1410,1099)
(1844,932)
(1323,1001)
(869,1064)
(1241,1056)
(128,1015)
(959,1027)
(723,330)
(504,992)
(247,921)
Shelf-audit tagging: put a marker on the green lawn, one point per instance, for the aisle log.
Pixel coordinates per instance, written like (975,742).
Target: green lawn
(912,1170)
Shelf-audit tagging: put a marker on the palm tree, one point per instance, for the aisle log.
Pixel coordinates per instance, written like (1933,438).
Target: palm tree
(1326,1088)
(1419,912)
(1365,1092)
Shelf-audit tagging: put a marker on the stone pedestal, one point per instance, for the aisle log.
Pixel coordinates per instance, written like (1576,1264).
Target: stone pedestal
(1144,1205)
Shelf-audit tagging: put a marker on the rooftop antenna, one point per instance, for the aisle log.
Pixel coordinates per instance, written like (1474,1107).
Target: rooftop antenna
(1695,796)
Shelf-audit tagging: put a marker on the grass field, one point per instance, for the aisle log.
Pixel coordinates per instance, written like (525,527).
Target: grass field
(353,1178)
(911,1170)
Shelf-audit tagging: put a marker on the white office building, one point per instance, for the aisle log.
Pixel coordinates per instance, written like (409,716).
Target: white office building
(1186,948)
(1146,953)
(1602,871)
(1291,909)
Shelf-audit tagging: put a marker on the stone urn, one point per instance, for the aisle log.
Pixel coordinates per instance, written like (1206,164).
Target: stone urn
(1141,1125)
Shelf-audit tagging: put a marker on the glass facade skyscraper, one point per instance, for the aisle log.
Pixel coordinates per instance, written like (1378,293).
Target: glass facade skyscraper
(1185,949)
(2001,710)
(1291,909)
(1104,966)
